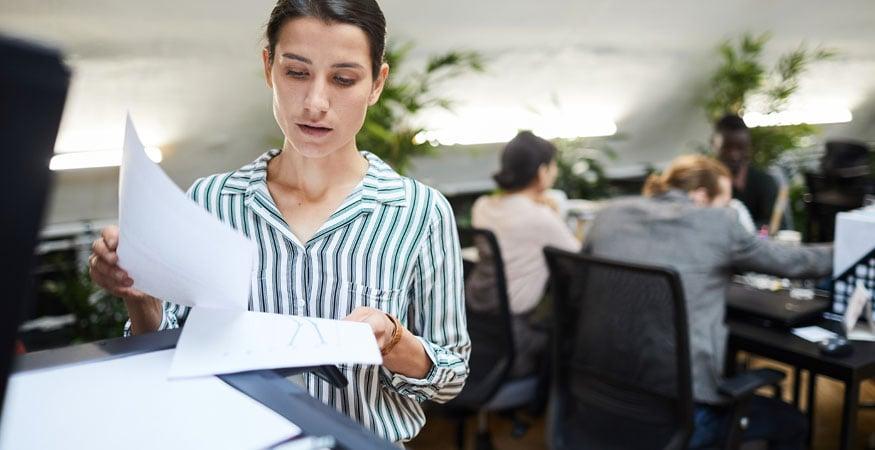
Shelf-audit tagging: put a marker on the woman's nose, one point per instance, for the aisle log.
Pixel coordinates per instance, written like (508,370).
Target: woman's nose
(317,98)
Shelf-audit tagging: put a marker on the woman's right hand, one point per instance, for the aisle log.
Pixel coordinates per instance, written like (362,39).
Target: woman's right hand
(104,269)
(144,310)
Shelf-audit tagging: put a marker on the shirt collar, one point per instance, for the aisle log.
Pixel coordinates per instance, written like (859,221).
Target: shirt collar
(675,195)
(381,183)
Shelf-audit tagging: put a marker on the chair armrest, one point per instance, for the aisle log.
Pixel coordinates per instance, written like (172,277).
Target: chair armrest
(746,383)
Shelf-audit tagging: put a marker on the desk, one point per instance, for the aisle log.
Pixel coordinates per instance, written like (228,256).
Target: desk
(781,345)
(269,387)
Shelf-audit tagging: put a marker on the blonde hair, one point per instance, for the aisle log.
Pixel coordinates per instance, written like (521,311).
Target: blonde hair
(688,173)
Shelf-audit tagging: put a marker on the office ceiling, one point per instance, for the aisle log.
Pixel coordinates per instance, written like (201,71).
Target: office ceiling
(189,72)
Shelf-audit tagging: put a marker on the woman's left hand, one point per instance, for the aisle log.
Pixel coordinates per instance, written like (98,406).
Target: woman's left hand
(382,326)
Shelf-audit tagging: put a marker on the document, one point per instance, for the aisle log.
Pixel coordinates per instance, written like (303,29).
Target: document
(173,248)
(176,251)
(217,341)
(128,403)
(854,238)
(814,333)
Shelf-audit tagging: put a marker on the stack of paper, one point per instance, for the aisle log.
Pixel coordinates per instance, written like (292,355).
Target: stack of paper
(176,251)
(129,403)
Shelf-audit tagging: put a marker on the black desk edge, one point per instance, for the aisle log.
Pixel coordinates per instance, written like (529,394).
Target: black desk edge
(267,387)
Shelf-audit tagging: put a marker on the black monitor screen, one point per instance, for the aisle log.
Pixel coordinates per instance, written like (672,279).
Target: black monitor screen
(33,87)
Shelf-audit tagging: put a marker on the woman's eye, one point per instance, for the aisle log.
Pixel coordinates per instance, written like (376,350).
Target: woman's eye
(296,74)
(343,81)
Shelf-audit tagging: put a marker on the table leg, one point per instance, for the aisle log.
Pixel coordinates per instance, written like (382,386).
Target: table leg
(849,413)
(797,385)
(731,362)
(811,404)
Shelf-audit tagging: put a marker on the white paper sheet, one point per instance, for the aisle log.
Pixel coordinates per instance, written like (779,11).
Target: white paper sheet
(854,238)
(859,305)
(862,333)
(813,334)
(173,248)
(129,403)
(216,341)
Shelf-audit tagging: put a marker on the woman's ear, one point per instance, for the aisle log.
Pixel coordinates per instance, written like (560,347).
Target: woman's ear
(544,176)
(265,57)
(379,84)
(700,197)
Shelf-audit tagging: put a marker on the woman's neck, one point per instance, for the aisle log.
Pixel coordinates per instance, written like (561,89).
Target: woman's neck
(314,177)
(531,192)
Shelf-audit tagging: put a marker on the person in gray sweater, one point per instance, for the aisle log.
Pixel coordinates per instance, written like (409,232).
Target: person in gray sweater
(681,221)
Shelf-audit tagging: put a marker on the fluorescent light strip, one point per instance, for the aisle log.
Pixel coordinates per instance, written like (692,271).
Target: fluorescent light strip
(485,135)
(796,117)
(93,159)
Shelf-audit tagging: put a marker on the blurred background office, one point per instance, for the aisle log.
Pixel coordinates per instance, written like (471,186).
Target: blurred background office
(620,88)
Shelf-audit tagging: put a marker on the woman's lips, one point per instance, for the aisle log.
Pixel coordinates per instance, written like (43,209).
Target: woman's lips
(314,130)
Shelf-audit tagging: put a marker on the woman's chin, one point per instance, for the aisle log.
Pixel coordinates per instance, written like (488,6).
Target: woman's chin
(313,150)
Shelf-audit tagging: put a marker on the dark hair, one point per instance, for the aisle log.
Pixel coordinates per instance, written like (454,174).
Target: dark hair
(364,14)
(730,123)
(521,159)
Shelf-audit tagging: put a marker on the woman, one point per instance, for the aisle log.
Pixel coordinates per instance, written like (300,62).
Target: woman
(682,222)
(524,221)
(340,234)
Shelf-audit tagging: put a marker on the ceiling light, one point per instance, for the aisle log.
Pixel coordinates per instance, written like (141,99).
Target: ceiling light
(799,116)
(92,159)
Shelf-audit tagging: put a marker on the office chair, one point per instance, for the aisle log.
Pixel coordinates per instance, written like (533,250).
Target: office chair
(489,386)
(621,359)
(844,181)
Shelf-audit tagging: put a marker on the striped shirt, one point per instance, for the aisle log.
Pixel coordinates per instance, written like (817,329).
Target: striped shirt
(391,245)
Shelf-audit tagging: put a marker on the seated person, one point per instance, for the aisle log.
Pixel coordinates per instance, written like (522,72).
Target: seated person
(682,222)
(756,189)
(524,221)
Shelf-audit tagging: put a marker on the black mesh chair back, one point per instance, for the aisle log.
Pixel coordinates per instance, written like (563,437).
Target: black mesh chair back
(844,181)
(621,355)
(492,346)
(828,196)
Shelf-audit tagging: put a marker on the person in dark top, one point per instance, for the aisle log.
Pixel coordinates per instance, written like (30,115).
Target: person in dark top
(756,189)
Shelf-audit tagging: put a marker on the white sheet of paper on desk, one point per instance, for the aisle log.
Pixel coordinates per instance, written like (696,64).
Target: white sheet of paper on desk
(813,334)
(129,403)
(173,248)
(216,341)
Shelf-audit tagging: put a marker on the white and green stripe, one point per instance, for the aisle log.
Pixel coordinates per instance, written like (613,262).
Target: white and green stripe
(392,245)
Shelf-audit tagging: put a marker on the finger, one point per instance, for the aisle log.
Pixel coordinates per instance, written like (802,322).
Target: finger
(357,315)
(110,236)
(100,249)
(109,272)
(100,280)
(128,292)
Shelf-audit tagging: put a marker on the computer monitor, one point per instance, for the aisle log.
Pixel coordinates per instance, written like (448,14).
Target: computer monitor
(33,88)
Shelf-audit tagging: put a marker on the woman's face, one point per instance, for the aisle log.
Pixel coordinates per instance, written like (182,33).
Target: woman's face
(722,199)
(547,174)
(322,85)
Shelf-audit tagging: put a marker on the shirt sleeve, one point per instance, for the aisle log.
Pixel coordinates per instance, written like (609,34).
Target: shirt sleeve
(173,315)
(750,253)
(559,235)
(437,313)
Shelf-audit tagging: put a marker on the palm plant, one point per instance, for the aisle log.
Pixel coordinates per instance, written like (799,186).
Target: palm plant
(388,130)
(742,78)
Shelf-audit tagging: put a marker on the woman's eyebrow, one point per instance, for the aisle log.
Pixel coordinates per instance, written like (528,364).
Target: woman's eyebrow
(343,65)
(297,58)
(347,65)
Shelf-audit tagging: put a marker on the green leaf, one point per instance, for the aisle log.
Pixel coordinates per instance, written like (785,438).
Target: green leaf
(387,131)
